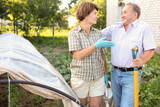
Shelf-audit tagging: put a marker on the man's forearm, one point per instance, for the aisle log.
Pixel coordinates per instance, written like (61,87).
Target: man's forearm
(139,62)
(147,56)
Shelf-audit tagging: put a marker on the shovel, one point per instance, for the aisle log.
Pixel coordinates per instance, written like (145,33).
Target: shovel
(136,98)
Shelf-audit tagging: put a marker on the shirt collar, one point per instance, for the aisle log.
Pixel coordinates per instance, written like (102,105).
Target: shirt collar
(121,25)
(134,23)
(79,28)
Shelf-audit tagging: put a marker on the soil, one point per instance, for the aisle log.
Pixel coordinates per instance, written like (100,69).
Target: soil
(56,50)
(3,92)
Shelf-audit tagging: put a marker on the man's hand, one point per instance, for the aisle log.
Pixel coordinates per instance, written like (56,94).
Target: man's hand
(106,79)
(137,62)
(103,43)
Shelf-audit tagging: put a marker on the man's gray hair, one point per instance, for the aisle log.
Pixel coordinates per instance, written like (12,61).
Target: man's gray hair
(136,8)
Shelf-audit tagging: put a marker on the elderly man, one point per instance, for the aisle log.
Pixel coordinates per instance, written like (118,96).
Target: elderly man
(126,35)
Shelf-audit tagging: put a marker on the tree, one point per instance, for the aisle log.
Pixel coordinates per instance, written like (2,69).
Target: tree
(72,2)
(3,11)
(44,12)
(3,8)
(25,21)
(15,10)
(101,22)
(39,13)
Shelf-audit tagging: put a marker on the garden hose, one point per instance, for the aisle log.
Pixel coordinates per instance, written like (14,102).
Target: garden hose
(136,98)
(43,86)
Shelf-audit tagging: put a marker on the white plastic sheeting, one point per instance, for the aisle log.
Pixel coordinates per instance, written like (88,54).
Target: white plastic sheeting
(20,59)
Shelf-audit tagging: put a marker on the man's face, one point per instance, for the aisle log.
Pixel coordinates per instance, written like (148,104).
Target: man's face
(128,15)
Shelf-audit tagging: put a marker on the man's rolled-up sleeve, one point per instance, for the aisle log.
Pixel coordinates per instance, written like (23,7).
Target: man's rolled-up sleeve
(148,39)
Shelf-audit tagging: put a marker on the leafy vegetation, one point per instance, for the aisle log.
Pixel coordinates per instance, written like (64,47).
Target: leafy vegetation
(150,85)
(150,93)
(151,70)
(56,51)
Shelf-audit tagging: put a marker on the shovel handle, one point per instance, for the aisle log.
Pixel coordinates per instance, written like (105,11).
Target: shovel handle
(136,97)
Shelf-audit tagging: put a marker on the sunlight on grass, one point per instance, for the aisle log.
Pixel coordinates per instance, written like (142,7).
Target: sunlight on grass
(57,33)
(62,33)
(46,32)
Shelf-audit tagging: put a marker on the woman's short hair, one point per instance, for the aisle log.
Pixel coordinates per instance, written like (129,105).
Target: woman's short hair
(84,9)
(136,8)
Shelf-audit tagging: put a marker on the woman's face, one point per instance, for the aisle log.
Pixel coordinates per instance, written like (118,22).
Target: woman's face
(92,17)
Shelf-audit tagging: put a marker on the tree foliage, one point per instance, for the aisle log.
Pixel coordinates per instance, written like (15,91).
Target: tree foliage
(101,22)
(3,8)
(15,11)
(72,2)
(44,12)
(3,11)
(39,13)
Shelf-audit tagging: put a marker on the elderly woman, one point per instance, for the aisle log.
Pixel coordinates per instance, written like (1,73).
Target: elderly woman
(89,63)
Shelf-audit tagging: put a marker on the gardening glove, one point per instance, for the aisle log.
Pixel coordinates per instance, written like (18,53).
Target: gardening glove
(103,43)
(106,79)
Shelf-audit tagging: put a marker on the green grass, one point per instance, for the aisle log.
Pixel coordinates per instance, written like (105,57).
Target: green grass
(46,32)
(58,33)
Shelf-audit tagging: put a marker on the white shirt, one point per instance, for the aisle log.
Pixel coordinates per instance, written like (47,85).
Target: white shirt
(138,34)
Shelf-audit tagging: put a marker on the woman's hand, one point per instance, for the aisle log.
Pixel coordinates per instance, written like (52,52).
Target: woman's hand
(103,43)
